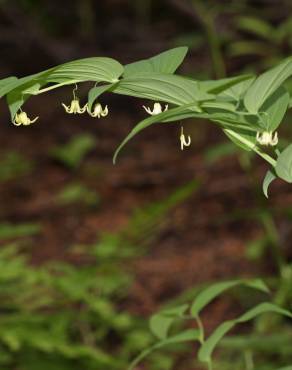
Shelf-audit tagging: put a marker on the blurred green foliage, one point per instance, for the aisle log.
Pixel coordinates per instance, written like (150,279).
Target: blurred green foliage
(58,316)
(73,152)
(77,193)
(61,316)
(14,165)
(12,231)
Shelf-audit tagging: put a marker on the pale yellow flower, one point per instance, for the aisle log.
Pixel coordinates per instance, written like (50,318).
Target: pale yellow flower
(266,138)
(74,107)
(98,111)
(22,119)
(157,109)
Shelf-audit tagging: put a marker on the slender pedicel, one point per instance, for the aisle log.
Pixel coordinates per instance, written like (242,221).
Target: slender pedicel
(74,106)
(183,141)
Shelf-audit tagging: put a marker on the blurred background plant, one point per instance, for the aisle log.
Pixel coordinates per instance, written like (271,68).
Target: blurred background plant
(90,250)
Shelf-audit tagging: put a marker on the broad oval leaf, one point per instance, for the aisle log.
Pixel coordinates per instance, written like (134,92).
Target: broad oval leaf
(274,108)
(266,84)
(166,62)
(88,69)
(168,88)
(98,69)
(284,164)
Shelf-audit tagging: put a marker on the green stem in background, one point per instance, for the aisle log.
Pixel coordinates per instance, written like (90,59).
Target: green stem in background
(202,338)
(248,359)
(271,231)
(142,9)
(86,13)
(265,217)
(208,22)
(210,365)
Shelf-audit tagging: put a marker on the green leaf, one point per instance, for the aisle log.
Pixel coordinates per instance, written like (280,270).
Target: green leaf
(269,178)
(213,291)
(189,335)
(88,69)
(218,86)
(166,62)
(161,322)
(284,164)
(220,105)
(237,91)
(266,84)
(210,293)
(274,109)
(15,100)
(207,348)
(32,89)
(229,118)
(244,139)
(95,92)
(168,88)
(5,85)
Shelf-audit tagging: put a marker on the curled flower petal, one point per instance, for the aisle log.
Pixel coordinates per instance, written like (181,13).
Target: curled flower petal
(74,107)
(157,109)
(183,141)
(98,111)
(22,119)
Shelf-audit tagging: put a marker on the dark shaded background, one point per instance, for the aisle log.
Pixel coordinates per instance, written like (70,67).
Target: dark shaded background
(205,237)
